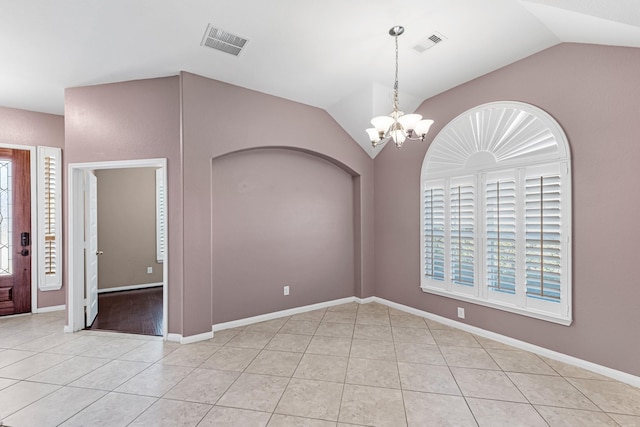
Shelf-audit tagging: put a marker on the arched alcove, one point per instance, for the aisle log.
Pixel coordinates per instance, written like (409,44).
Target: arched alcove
(280,217)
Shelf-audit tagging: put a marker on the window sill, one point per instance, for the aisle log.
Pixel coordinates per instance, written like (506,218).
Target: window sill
(549,317)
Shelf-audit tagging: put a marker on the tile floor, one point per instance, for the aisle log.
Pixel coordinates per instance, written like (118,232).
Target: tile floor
(349,365)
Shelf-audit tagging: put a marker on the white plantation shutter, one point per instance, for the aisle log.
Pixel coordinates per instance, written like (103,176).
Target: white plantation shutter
(496,212)
(49,219)
(543,237)
(501,235)
(160,215)
(434,232)
(462,241)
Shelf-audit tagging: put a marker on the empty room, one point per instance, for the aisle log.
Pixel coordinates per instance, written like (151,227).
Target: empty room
(334,214)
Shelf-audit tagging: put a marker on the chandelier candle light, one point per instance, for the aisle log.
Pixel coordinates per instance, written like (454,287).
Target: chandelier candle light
(397,126)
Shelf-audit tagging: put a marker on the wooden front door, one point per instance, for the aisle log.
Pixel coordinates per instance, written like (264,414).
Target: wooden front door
(15,232)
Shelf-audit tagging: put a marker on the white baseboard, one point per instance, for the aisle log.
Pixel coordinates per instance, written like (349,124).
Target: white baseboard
(561,357)
(283,313)
(255,319)
(593,367)
(51,308)
(190,339)
(130,287)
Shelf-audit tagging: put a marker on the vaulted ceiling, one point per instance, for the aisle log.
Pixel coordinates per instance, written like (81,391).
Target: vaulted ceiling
(332,54)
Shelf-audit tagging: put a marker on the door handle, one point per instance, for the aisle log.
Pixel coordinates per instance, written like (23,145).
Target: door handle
(24,252)
(99,253)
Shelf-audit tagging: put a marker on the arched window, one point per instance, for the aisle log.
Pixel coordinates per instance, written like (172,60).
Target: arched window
(496,212)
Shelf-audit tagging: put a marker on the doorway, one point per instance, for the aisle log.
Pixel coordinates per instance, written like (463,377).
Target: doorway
(15,231)
(129,277)
(82,231)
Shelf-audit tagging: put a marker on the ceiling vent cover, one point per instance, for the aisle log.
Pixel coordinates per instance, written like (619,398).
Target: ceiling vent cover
(218,39)
(429,42)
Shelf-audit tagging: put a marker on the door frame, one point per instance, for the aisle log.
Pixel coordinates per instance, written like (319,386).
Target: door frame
(35,253)
(75,237)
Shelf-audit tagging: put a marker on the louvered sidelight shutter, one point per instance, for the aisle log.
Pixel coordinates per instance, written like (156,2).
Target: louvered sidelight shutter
(50,215)
(462,205)
(434,233)
(160,215)
(501,235)
(49,218)
(543,237)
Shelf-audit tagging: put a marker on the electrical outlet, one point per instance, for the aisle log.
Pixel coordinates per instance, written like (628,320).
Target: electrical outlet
(286,290)
(149,270)
(461,312)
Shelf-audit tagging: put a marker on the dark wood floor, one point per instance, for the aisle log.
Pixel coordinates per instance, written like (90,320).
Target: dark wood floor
(132,312)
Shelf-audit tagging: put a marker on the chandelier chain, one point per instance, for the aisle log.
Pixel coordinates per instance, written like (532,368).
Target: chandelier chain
(395,86)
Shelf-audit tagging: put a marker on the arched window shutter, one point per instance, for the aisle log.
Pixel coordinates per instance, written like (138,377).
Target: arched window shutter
(496,211)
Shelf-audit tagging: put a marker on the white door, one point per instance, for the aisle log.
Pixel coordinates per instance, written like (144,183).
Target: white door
(91,253)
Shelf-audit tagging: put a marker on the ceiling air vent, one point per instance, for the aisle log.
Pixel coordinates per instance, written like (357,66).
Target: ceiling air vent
(218,39)
(429,42)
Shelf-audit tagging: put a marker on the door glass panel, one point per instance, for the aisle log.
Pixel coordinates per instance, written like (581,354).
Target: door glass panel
(5,218)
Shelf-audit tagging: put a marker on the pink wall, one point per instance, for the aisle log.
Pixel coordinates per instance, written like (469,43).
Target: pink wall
(280,217)
(19,127)
(133,120)
(142,119)
(593,92)
(219,119)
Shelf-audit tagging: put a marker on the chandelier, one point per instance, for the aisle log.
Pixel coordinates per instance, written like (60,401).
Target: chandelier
(397,125)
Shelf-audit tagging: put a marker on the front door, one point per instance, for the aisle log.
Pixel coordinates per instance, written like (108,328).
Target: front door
(15,232)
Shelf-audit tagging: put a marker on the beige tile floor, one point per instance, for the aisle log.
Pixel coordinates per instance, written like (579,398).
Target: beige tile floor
(349,365)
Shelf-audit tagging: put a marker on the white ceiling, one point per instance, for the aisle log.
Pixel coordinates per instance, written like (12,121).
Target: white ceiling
(332,54)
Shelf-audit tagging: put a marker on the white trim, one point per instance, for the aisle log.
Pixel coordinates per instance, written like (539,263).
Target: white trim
(35,248)
(529,312)
(174,337)
(165,255)
(191,338)
(365,300)
(112,334)
(49,288)
(129,287)
(561,357)
(75,259)
(121,164)
(51,309)
(283,313)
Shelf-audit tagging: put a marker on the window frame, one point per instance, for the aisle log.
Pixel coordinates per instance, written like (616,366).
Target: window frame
(551,154)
